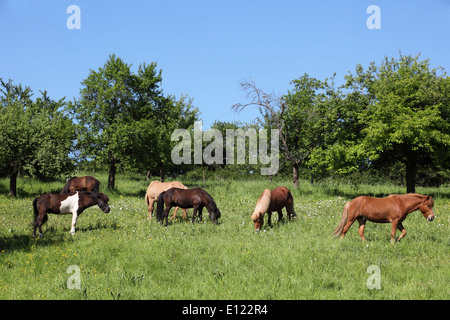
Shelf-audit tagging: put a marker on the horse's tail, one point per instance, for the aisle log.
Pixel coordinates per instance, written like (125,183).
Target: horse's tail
(146,199)
(36,211)
(290,206)
(338,231)
(96,186)
(262,205)
(160,206)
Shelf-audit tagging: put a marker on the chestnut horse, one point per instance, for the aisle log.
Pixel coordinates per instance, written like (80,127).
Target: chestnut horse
(273,200)
(153,191)
(393,209)
(71,203)
(86,183)
(191,198)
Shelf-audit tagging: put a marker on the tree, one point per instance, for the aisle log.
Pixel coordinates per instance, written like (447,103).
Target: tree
(302,116)
(310,117)
(403,115)
(124,118)
(36,137)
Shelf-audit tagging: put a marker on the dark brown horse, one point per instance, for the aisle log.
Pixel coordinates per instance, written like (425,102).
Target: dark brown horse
(186,198)
(86,183)
(273,200)
(71,203)
(393,209)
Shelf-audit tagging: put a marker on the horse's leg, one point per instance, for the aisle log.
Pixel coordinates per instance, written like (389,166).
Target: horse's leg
(269,220)
(288,212)
(150,208)
(347,226)
(74,222)
(195,212)
(40,220)
(166,214)
(280,215)
(200,210)
(393,230)
(362,225)
(174,213)
(402,230)
(184,213)
(35,225)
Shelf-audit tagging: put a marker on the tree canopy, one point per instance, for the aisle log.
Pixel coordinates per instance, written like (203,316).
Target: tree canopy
(36,137)
(125,119)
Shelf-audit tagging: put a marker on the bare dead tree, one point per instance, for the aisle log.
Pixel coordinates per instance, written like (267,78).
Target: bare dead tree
(272,106)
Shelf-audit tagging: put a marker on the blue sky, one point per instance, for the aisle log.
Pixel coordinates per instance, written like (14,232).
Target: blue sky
(205,48)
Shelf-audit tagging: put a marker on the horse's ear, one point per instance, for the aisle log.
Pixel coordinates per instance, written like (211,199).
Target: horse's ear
(102,196)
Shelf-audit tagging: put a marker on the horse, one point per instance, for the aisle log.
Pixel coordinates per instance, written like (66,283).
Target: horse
(393,208)
(273,200)
(71,203)
(86,183)
(196,198)
(154,190)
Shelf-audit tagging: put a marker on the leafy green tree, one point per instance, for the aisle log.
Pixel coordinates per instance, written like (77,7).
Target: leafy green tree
(36,137)
(124,118)
(402,112)
(312,110)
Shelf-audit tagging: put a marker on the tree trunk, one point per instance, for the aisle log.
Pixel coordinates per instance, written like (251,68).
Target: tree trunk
(411,168)
(161,173)
(295,175)
(112,176)
(13,184)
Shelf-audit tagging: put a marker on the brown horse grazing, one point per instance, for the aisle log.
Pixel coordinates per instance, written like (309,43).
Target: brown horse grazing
(86,183)
(191,198)
(393,209)
(153,191)
(72,203)
(273,200)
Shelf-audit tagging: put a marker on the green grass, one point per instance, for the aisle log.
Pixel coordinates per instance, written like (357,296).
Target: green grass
(121,255)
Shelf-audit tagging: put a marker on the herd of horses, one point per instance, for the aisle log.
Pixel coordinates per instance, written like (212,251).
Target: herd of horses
(80,193)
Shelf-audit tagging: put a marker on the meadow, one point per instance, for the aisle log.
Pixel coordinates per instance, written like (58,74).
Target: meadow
(122,255)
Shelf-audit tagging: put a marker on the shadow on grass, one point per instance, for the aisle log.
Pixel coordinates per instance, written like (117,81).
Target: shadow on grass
(25,242)
(52,236)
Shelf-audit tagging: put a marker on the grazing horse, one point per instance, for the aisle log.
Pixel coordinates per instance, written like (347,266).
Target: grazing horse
(153,191)
(191,198)
(273,200)
(86,183)
(72,203)
(393,209)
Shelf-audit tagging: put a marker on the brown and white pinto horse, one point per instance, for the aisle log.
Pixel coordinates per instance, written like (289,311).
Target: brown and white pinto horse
(273,200)
(153,191)
(393,209)
(71,203)
(86,183)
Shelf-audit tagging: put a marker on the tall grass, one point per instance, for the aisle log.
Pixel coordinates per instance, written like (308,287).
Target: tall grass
(121,255)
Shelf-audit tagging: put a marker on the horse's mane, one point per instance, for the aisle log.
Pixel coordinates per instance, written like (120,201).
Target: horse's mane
(262,205)
(211,205)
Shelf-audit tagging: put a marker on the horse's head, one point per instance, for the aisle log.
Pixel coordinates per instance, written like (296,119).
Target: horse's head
(214,215)
(427,208)
(103,202)
(258,219)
